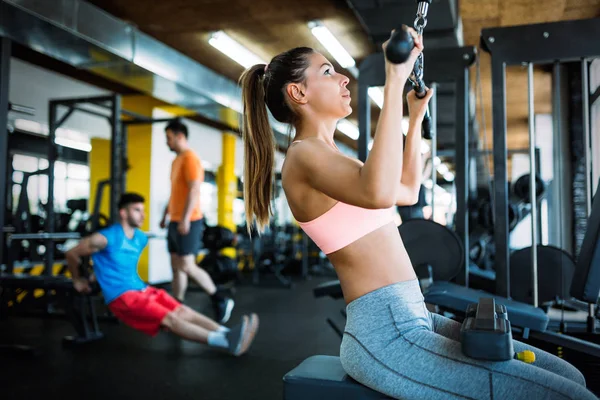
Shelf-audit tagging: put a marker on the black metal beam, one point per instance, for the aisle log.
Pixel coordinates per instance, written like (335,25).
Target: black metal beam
(64,118)
(26,143)
(594,96)
(135,115)
(462,168)
(500,195)
(543,43)
(5,51)
(96,100)
(91,112)
(116,158)
(149,121)
(364,121)
(52,156)
(124,160)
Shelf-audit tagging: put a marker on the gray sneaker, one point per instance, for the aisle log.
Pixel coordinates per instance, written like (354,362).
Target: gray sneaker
(253,323)
(237,335)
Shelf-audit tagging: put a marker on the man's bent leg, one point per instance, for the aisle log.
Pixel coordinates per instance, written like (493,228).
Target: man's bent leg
(185,329)
(180,278)
(197,319)
(198,275)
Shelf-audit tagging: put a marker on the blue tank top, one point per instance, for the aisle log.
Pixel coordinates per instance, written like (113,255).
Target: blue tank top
(116,266)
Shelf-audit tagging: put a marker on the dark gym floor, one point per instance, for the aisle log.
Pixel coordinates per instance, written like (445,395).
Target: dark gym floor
(129,365)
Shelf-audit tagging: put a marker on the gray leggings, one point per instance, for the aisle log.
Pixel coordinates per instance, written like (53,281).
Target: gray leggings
(394,345)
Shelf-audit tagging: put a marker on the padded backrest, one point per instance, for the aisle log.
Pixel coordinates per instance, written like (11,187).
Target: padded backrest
(586,281)
(430,243)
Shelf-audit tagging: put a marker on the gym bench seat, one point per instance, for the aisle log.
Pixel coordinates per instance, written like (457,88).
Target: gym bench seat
(457,298)
(323,378)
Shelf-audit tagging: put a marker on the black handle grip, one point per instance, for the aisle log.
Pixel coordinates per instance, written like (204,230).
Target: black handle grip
(399,47)
(427,128)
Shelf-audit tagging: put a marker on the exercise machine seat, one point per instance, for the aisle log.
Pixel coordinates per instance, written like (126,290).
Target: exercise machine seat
(458,298)
(585,285)
(323,378)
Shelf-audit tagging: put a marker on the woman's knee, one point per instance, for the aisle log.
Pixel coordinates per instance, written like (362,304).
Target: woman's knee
(572,373)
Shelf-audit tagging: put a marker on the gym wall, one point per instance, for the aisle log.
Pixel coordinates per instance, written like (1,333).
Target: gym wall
(33,86)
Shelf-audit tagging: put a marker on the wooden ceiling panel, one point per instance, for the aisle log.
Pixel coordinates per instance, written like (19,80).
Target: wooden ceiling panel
(268,27)
(521,12)
(479,9)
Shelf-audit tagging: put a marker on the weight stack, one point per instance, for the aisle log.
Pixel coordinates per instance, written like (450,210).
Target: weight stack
(577,156)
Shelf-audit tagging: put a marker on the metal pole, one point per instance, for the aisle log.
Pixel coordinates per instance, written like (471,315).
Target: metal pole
(364,122)
(115,158)
(52,155)
(433,113)
(532,185)
(124,162)
(5,51)
(462,167)
(585,92)
(500,195)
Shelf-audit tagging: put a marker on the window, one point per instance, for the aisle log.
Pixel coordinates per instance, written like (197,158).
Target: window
(25,163)
(78,171)
(18,176)
(71,181)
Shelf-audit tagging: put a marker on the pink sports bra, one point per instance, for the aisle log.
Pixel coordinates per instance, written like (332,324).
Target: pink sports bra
(344,224)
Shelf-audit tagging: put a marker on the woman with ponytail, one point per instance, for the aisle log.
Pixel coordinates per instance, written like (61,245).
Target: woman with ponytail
(391,343)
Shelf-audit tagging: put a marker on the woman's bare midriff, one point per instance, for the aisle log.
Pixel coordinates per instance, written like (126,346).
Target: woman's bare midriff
(376,260)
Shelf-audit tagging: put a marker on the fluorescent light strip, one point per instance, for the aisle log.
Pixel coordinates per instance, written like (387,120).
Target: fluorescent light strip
(332,45)
(232,49)
(376,94)
(348,129)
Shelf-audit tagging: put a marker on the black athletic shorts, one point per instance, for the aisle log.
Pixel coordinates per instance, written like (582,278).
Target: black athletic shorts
(184,245)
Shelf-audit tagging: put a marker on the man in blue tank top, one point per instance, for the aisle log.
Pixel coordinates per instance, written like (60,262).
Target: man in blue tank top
(115,253)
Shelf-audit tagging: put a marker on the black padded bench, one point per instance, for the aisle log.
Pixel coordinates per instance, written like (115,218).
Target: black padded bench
(457,298)
(323,378)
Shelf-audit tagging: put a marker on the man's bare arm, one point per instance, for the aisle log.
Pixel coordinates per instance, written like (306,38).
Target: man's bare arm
(86,247)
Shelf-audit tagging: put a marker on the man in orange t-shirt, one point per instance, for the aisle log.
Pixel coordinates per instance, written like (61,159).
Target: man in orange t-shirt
(186,225)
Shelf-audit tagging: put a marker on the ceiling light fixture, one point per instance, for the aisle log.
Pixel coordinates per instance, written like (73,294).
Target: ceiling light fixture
(232,49)
(348,129)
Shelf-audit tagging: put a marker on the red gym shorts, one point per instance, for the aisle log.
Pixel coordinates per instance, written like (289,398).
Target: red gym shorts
(145,309)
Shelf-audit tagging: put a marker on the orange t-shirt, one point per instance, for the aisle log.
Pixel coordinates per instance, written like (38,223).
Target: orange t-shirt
(185,168)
